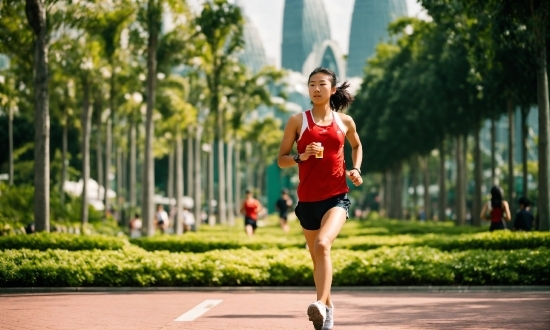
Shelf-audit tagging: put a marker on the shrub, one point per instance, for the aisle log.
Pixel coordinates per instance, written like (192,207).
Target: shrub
(201,243)
(386,266)
(44,241)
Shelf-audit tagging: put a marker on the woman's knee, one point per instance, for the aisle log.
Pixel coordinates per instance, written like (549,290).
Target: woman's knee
(322,246)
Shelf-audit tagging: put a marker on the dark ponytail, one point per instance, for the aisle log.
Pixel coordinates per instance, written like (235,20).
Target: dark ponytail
(496,197)
(341,99)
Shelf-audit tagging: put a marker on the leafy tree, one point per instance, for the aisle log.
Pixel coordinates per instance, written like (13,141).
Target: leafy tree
(221,24)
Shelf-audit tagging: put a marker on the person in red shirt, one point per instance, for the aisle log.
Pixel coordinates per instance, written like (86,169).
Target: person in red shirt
(323,203)
(250,209)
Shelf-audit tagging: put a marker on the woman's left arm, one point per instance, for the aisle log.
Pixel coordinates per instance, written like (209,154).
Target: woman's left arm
(356,150)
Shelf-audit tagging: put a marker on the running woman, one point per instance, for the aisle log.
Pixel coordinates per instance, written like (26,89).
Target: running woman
(323,203)
(250,209)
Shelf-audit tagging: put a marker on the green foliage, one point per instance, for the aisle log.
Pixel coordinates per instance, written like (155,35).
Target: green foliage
(202,243)
(17,210)
(44,241)
(395,266)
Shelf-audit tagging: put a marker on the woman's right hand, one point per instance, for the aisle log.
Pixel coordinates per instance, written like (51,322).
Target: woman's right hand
(312,149)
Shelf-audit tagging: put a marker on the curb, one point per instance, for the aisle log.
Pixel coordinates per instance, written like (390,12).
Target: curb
(399,289)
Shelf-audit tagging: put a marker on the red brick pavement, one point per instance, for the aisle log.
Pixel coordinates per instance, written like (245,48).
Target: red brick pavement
(260,310)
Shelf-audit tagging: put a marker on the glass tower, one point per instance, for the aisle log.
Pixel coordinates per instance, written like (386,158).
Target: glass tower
(305,26)
(369,25)
(253,54)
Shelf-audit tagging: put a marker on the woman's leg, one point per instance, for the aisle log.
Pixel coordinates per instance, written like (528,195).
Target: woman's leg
(249,230)
(319,243)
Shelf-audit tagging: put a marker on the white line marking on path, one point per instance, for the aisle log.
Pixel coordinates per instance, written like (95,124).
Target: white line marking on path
(198,310)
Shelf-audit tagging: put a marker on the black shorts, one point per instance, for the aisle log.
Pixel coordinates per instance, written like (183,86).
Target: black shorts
(250,221)
(310,214)
(497,226)
(283,215)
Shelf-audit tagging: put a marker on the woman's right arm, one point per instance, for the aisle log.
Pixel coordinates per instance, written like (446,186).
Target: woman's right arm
(285,159)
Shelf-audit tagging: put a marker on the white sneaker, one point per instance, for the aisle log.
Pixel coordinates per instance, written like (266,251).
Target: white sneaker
(329,321)
(317,313)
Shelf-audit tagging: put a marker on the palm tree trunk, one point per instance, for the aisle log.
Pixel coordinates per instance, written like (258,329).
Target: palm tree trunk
(198,175)
(179,184)
(149,162)
(414,181)
(86,130)
(36,16)
(10,134)
(388,175)
(238,178)
(426,184)
(119,188)
(398,192)
(442,198)
(478,179)
(222,212)
(511,183)
(460,196)
(190,183)
(108,145)
(133,165)
(249,176)
(63,158)
(382,195)
(170,183)
(99,152)
(525,150)
(494,180)
(544,133)
(210,183)
(230,212)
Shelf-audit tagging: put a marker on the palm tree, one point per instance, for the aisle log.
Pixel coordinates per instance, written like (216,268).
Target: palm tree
(221,24)
(36,16)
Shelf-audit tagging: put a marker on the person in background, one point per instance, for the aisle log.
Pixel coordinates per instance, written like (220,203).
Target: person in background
(282,205)
(496,210)
(250,209)
(135,226)
(161,219)
(524,219)
(188,220)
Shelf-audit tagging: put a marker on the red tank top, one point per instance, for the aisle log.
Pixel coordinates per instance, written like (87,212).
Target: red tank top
(322,178)
(496,215)
(250,208)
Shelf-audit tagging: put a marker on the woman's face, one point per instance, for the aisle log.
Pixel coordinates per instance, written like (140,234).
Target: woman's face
(320,88)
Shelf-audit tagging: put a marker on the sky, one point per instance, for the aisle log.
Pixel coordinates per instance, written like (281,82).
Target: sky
(267,16)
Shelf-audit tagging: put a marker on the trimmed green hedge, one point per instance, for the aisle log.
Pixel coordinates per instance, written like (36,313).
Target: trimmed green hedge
(193,242)
(386,266)
(498,240)
(44,241)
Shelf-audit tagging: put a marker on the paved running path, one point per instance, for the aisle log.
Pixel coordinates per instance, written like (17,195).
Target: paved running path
(259,310)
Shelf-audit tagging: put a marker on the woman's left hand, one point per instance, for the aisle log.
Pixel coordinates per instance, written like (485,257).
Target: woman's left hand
(355,177)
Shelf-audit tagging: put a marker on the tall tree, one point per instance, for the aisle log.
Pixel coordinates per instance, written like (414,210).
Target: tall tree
(153,19)
(221,24)
(36,16)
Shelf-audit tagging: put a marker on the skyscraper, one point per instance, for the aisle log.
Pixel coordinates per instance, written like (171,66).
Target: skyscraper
(253,54)
(369,25)
(305,26)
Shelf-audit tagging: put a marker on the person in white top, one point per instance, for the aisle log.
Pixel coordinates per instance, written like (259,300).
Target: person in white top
(188,220)
(161,218)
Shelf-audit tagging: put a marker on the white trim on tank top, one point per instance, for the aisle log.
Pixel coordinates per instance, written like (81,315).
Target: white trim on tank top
(305,123)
